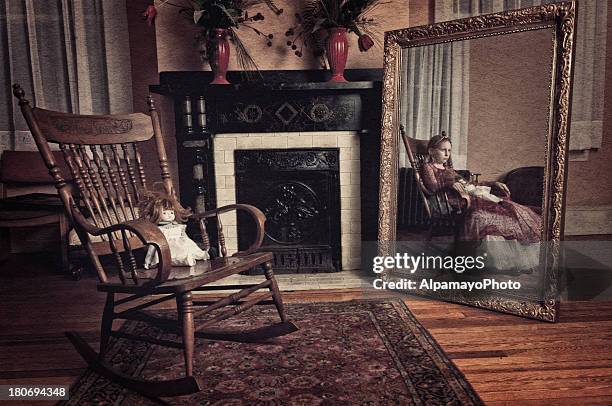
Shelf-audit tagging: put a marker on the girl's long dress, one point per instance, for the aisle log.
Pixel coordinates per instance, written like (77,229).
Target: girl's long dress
(513,230)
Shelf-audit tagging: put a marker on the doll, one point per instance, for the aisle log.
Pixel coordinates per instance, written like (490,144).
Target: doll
(165,211)
(481,191)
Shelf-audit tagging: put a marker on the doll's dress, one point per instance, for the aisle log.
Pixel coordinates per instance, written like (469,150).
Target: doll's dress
(184,251)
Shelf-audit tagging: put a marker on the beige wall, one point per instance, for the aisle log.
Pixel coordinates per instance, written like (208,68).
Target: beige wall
(176,48)
(143,53)
(589,182)
(508,102)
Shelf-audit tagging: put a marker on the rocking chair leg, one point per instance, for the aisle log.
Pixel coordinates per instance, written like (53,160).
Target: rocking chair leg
(278,300)
(107,322)
(184,304)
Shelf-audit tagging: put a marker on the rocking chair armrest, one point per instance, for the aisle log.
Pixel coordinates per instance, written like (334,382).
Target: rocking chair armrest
(147,232)
(256,215)
(466,199)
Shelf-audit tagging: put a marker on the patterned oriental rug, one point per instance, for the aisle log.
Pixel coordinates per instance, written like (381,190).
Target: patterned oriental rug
(345,353)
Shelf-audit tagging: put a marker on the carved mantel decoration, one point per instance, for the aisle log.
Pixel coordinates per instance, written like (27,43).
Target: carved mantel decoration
(282,101)
(289,160)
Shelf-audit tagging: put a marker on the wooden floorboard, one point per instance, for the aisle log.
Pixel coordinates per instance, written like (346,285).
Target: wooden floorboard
(508,360)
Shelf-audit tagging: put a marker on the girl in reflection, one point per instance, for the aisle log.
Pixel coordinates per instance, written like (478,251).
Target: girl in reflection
(492,216)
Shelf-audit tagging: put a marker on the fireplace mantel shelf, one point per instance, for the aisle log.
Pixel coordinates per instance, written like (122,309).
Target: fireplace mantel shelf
(221,90)
(197,83)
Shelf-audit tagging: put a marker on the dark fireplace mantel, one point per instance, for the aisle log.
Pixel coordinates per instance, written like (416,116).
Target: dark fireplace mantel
(278,101)
(275,102)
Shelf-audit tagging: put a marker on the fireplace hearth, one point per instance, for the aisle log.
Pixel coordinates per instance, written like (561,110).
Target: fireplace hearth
(299,192)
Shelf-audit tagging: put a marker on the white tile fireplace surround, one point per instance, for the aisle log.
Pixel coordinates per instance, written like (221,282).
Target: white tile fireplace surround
(350,202)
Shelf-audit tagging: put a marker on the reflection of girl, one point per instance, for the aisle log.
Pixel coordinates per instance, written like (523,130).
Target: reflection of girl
(486,219)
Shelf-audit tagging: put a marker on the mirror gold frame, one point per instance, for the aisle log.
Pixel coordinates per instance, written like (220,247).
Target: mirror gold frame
(561,18)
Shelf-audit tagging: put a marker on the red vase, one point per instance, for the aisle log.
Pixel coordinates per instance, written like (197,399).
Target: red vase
(337,52)
(218,49)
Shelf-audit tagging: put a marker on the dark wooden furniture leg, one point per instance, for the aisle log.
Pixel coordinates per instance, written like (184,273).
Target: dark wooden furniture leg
(5,243)
(107,322)
(184,305)
(64,229)
(278,300)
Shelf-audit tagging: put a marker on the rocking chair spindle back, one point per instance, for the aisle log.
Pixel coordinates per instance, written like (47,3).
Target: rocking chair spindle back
(102,154)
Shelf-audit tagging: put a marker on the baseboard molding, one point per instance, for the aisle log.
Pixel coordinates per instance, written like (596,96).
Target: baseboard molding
(588,220)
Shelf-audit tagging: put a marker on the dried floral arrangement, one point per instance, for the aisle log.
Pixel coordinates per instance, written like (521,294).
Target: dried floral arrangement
(318,16)
(231,15)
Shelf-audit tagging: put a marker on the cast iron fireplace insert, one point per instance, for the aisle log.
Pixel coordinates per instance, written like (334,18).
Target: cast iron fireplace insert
(299,192)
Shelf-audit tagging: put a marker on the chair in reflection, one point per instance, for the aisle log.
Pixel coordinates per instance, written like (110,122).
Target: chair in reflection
(102,154)
(441,217)
(526,186)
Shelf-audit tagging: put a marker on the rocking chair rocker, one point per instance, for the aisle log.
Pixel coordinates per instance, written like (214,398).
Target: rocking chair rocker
(102,153)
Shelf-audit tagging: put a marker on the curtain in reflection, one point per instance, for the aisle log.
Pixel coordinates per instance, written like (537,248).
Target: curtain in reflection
(434,95)
(68,55)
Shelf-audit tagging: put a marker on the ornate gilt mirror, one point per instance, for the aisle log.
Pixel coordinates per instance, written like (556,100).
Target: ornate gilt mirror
(479,207)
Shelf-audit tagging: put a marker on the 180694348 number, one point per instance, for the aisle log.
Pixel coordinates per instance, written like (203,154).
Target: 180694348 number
(33,392)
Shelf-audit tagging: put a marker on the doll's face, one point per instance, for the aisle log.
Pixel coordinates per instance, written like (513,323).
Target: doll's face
(167,215)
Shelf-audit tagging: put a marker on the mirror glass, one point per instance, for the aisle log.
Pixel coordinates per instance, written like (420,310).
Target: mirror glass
(490,98)
(475,129)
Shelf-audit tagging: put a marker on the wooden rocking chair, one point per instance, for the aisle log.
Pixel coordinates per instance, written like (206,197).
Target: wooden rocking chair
(442,217)
(102,153)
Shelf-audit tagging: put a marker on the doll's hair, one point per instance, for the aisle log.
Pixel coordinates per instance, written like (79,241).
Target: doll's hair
(150,208)
(435,142)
